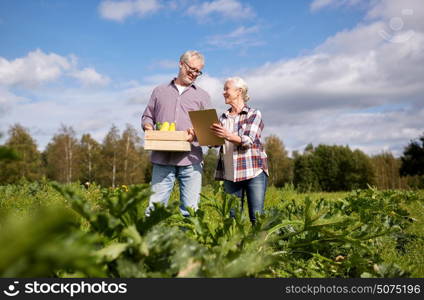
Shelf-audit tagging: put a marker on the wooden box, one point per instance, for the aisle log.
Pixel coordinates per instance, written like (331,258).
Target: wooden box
(166,140)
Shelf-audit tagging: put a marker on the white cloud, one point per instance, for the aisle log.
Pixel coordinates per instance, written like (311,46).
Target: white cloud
(8,100)
(362,38)
(38,68)
(320,4)
(87,111)
(228,9)
(241,37)
(89,77)
(370,132)
(120,10)
(355,89)
(214,86)
(116,11)
(179,4)
(165,64)
(159,78)
(140,94)
(34,69)
(44,106)
(400,15)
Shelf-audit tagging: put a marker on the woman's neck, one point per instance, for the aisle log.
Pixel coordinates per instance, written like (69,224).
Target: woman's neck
(237,107)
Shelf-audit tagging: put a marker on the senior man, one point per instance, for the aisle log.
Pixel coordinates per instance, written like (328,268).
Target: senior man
(172,102)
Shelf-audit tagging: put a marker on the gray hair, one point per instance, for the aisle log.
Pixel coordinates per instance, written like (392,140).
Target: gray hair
(192,53)
(240,84)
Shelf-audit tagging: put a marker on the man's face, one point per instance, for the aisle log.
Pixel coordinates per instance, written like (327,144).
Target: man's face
(190,70)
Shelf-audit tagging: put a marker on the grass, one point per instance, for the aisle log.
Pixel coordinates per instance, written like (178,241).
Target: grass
(405,250)
(408,250)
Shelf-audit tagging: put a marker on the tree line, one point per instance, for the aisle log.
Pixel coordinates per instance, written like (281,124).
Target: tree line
(119,159)
(339,168)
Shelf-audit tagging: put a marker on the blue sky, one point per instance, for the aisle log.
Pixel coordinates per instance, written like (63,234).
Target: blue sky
(129,48)
(324,71)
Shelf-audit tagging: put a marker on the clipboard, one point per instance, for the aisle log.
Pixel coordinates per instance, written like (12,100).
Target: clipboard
(202,120)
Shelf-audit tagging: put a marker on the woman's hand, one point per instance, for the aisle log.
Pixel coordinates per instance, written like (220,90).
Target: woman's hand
(220,131)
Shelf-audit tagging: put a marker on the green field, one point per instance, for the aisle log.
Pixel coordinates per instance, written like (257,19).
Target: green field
(52,230)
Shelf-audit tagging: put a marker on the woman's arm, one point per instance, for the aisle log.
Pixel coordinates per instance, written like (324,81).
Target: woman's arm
(221,132)
(253,129)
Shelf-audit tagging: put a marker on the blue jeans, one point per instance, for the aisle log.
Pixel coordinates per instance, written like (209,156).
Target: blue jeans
(163,179)
(254,189)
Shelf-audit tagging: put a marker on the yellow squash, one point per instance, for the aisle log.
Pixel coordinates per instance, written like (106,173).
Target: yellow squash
(165,126)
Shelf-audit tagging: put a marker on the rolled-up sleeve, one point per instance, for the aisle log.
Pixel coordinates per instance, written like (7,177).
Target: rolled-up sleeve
(253,129)
(148,116)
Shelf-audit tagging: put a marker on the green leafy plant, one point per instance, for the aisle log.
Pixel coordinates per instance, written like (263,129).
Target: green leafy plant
(49,229)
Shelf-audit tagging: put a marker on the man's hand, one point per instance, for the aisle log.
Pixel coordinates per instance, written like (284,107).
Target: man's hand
(147,127)
(191,135)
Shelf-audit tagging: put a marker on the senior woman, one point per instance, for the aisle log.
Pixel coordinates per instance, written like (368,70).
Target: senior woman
(242,162)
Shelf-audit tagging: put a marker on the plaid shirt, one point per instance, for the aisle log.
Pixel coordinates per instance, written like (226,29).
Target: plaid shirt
(249,156)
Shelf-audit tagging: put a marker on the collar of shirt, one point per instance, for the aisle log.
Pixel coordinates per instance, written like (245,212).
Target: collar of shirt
(244,110)
(189,86)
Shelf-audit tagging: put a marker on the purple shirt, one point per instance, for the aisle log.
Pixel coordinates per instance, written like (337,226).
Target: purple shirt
(167,105)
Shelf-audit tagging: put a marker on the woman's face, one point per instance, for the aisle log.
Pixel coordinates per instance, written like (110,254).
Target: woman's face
(231,93)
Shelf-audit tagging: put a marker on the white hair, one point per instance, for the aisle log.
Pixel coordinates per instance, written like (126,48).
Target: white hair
(240,84)
(192,53)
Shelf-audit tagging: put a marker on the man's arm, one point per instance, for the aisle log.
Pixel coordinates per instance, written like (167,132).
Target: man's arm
(148,118)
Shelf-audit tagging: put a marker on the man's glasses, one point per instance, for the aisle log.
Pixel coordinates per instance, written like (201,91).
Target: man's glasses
(193,70)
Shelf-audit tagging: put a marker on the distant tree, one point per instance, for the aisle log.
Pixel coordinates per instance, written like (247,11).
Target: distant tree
(145,165)
(210,161)
(305,177)
(309,148)
(62,156)
(413,158)
(110,158)
(387,168)
(332,168)
(7,154)
(295,154)
(359,171)
(90,158)
(130,161)
(280,165)
(28,163)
